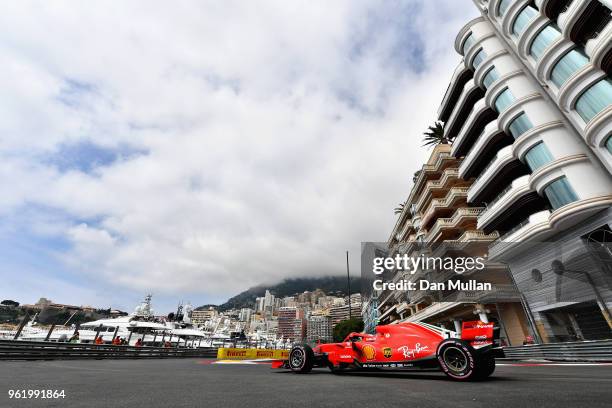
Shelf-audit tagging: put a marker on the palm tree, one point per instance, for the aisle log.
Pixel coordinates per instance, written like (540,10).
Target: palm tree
(435,135)
(399,209)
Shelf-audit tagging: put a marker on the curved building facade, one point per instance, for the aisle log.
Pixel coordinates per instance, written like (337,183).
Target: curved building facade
(530,111)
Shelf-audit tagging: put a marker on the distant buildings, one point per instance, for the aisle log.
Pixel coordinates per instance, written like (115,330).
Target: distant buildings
(199,317)
(286,320)
(319,328)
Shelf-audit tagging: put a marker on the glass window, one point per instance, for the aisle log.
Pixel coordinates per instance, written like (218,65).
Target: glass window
(520,125)
(469,41)
(523,19)
(609,144)
(503,6)
(566,66)
(560,193)
(538,156)
(503,100)
(595,99)
(490,77)
(478,59)
(544,38)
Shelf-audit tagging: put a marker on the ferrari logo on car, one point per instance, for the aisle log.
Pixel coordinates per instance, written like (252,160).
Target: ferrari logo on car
(369,352)
(387,352)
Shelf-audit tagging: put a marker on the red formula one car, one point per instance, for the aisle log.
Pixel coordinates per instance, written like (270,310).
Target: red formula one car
(470,356)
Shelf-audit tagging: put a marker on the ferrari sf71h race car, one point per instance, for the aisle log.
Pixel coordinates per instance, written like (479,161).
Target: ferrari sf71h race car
(470,356)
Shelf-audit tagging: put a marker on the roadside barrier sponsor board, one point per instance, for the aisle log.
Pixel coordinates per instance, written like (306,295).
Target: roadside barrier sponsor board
(251,354)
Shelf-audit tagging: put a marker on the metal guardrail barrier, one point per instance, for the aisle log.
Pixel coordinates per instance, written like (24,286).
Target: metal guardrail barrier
(597,350)
(39,350)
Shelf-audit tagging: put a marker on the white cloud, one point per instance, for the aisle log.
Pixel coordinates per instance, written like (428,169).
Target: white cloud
(277,134)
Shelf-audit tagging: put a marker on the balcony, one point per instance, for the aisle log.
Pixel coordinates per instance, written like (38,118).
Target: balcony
(480,116)
(506,198)
(443,161)
(387,314)
(460,219)
(535,225)
(503,157)
(471,93)
(568,18)
(460,77)
(491,140)
(591,22)
(436,188)
(599,48)
(405,229)
(476,236)
(455,195)
(552,8)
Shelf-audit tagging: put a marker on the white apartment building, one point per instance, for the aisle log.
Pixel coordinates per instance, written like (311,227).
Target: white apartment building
(530,110)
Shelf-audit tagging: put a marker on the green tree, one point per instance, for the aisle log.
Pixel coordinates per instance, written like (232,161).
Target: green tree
(435,135)
(345,327)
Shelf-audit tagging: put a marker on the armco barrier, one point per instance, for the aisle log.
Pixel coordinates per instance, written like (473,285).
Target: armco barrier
(251,354)
(38,350)
(599,350)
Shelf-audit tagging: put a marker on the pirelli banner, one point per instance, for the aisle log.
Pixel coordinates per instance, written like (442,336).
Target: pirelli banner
(251,354)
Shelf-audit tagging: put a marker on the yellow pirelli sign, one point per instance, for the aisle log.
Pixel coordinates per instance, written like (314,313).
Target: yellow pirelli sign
(251,354)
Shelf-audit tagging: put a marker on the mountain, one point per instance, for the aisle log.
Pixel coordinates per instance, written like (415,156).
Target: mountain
(289,287)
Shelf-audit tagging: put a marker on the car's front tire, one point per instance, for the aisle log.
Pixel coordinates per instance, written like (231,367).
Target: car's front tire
(301,359)
(458,360)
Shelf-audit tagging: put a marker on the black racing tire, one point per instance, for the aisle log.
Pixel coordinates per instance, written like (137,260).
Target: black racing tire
(458,360)
(301,359)
(485,366)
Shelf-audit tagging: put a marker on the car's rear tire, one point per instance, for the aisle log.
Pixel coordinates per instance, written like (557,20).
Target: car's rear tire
(458,360)
(485,367)
(301,359)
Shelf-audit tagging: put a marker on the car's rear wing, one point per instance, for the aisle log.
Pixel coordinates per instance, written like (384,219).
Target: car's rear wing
(479,333)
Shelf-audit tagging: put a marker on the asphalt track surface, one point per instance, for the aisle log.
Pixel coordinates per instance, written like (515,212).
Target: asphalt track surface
(198,383)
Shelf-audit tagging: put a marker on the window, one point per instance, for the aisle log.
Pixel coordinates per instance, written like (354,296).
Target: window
(609,144)
(503,100)
(469,41)
(544,38)
(538,156)
(595,99)
(490,77)
(520,125)
(560,193)
(503,6)
(478,59)
(523,19)
(566,66)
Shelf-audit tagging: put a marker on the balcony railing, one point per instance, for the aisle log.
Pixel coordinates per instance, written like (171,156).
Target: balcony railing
(437,184)
(452,221)
(452,195)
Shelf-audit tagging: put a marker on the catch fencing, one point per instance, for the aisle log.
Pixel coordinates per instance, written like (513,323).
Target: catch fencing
(40,350)
(600,351)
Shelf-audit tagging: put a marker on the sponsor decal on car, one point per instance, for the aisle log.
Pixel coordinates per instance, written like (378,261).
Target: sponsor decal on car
(386,365)
(412,353)
(369,352)
(387,352)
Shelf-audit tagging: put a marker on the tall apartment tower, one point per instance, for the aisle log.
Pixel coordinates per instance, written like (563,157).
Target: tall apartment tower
(530,111)
(437,221)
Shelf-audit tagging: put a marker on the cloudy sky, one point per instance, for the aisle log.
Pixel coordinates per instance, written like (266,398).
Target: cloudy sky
(194,149)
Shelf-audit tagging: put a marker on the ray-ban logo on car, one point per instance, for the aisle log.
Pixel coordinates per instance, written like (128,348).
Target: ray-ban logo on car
(411,353)
(387,352)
